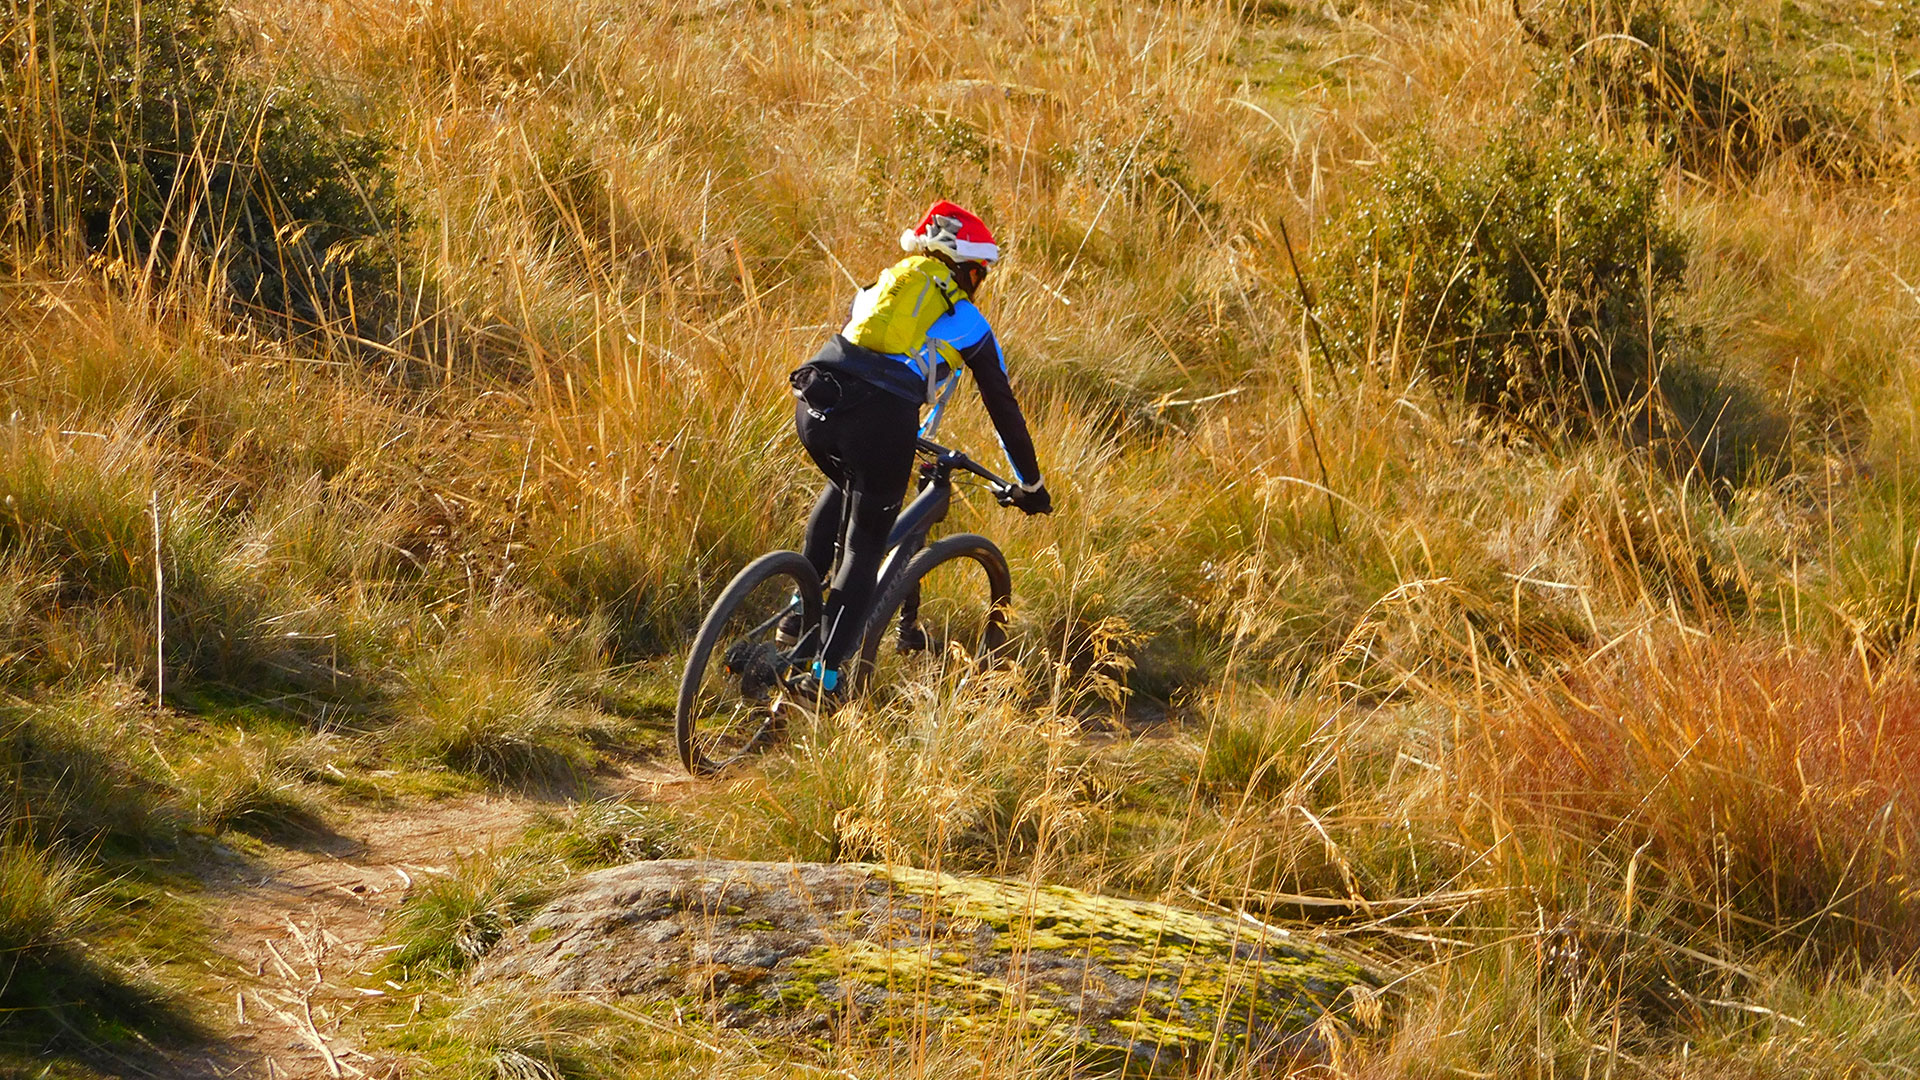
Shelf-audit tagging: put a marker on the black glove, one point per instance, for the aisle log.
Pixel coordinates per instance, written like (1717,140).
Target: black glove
(1036,501)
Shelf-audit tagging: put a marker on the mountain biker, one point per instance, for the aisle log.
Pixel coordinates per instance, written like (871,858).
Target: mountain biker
(858,415)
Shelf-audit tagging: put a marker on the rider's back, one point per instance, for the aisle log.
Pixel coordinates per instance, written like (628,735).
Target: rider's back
(893,314)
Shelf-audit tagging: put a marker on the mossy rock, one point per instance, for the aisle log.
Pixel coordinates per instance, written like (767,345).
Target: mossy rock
(809,950)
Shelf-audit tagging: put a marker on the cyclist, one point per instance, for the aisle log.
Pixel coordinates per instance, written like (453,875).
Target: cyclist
(903,347)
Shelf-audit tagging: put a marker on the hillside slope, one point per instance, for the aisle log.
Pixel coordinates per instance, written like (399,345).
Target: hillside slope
(1482,437)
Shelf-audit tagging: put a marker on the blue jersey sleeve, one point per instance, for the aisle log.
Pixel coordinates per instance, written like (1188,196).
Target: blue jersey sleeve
(967,331)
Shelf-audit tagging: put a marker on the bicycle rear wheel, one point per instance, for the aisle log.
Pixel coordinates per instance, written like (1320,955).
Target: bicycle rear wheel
(732,700)
(950,602)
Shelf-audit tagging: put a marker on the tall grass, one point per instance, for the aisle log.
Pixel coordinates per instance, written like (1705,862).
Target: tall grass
(43,902)
(1599,744)
(455,920)
(1768,793)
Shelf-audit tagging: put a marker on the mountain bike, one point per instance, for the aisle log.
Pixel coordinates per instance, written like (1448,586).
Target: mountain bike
(733,691)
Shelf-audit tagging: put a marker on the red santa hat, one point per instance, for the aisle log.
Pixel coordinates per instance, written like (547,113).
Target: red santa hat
(953,229)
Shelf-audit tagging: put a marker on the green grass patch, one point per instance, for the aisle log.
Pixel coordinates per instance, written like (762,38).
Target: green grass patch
(450,922)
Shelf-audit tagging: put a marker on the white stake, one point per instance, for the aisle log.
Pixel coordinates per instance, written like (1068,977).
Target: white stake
(159,613)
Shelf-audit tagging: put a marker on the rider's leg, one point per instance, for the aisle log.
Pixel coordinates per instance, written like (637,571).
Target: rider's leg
(824,528)
(827,523)
(844,616)
(876,444)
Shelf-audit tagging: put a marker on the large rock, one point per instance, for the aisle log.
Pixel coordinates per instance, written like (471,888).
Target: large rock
(802,948)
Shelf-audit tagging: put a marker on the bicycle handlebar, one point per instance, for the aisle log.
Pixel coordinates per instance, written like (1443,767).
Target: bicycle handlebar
(954,459)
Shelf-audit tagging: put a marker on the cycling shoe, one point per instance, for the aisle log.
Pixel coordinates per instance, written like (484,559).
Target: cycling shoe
(912,639)
(817,684)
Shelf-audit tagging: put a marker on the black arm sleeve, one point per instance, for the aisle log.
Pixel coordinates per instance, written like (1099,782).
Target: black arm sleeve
(996,393)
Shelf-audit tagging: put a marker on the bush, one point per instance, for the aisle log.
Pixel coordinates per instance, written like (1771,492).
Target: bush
(1532,276)
(135,132)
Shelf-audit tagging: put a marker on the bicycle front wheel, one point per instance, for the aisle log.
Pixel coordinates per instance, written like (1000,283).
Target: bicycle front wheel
(732,698)
(956,592)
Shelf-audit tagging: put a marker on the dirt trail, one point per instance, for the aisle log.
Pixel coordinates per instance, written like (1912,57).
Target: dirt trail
(296,928)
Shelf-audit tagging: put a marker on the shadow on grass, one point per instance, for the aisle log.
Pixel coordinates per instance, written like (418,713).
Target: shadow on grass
(60,1005)
(293,824)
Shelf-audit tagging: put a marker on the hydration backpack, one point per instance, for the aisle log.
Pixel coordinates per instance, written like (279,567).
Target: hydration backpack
(893,314)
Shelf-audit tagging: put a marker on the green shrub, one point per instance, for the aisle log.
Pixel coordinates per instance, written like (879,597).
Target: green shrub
(138,133)
(1147,165)
(1531,277)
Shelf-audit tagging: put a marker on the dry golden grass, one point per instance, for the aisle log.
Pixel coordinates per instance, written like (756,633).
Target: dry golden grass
(1608,763)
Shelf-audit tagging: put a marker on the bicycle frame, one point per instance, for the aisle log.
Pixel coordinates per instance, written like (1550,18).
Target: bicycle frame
(916,520)
(752,682)
(908,536)
(911,526)
(928,508)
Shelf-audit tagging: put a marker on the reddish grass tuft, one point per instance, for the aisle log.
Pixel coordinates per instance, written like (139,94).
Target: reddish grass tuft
(1774,790)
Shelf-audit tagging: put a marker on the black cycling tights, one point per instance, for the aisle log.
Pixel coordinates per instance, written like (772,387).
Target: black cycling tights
(866,450)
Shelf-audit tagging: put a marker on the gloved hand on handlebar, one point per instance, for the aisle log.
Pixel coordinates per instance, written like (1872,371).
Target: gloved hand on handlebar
(1036,501)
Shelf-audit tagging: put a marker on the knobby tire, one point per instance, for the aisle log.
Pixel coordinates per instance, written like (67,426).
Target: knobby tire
(805,583)
(935,555)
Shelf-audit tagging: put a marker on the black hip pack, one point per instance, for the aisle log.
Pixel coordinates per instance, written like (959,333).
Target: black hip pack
(827,392)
